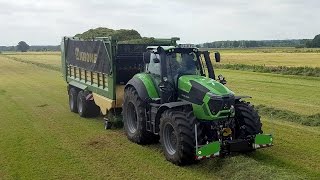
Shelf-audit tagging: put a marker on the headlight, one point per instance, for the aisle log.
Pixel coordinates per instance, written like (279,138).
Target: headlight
(218,103)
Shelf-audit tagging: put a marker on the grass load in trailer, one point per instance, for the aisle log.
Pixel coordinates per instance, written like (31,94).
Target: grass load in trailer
(165,92)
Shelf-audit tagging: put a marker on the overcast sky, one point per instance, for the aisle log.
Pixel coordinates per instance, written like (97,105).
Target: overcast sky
(44,22)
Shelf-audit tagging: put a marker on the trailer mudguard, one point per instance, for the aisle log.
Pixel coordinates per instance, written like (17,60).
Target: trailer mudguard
(78,85)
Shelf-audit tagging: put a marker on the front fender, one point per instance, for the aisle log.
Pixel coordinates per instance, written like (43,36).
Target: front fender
(166,106)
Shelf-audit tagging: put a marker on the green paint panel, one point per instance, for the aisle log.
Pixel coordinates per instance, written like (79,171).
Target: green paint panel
(203,111)
(263,139)
(148,82)
(209,149)
(214,86)
(91,87)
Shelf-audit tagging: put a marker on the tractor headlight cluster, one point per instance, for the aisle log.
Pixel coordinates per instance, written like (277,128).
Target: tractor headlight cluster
(218,103)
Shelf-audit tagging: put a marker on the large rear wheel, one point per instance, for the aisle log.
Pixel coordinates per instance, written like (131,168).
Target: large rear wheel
(134,118)
(177,136)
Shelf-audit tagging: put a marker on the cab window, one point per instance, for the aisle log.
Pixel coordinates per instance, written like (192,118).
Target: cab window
(154,68)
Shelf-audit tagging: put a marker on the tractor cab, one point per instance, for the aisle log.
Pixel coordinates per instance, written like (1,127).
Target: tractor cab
(166,64)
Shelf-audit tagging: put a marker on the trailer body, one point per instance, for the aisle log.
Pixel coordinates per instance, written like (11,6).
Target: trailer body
(103,66)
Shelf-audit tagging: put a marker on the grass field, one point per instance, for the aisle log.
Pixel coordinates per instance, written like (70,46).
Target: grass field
(41,138)
(52,59)
(271,57)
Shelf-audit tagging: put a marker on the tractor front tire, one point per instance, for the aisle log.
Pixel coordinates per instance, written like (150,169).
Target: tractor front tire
(73,94)
(247,120)
(177,136)
(134,118)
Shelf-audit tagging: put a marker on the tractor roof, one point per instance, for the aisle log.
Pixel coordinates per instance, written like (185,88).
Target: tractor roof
(172,48)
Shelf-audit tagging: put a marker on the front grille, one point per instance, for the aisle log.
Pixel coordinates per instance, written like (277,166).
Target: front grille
(218,103)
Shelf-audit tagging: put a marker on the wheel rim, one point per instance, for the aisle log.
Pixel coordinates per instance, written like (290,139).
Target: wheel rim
(132,118)
(170,139)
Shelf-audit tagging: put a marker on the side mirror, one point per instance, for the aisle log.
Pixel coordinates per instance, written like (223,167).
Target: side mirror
(156,60)
(222,79)
(217,56)
(146,57)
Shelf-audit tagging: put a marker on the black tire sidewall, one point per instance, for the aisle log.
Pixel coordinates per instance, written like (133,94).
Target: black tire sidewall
(82,104)
(247,120)
(141,135)
(73,100)
(174,157)
(131,98)
(183,123)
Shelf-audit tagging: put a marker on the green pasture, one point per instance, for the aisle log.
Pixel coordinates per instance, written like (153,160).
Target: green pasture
(42,139)
(290,57)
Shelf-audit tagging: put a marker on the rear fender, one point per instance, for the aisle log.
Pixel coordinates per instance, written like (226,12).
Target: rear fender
(139,86)
(144,85)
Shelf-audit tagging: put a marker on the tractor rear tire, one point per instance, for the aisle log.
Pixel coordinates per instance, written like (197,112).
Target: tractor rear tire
(177,136)
(134,118)
(247,120)
(73,94)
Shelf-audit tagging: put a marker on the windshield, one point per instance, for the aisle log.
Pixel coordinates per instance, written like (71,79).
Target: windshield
(182,64)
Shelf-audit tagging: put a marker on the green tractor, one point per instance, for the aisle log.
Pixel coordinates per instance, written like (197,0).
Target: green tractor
(178,99)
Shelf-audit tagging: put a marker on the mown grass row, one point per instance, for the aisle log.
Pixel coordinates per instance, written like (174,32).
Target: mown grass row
(58,144)
(42,65)
(304,71)
(308,120)
(311,120)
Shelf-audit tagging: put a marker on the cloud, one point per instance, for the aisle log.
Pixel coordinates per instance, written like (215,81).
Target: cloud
(45,22)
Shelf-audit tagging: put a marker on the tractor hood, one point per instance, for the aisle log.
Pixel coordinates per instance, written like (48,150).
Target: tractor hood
(194,88)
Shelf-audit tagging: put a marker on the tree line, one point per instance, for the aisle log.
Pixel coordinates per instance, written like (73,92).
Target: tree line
(314,43)
(298,43)
(22,46)
(133,36)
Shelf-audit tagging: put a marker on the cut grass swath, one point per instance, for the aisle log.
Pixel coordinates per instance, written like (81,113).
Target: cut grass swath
(304,71)
(308,120)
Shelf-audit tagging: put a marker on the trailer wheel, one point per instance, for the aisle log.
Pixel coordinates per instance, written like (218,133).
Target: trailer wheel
(247,120)
(134,118)
(83,108)
(73,94)
(177,136)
